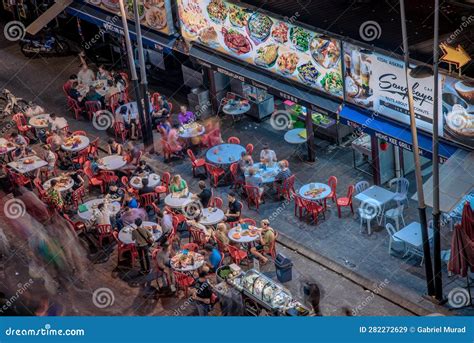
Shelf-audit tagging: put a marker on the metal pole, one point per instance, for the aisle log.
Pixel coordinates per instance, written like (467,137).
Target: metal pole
(438,280)
(133,71)
(419,180)
(148,140)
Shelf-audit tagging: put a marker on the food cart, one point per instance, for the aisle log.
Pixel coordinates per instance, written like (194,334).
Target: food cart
(259,293)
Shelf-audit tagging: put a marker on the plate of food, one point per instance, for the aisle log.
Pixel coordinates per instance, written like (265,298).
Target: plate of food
(300,38)
(208,36)
(156,18)
(236,235)
(352,87)
(308,73)
(154,3)
(325,52)
(280,32)
(332,82)
(136,181)
(130,11)
(192,18)
(236,41)
(313,193)
(259,27)
(287,63)
(266,56)
(28,161)
(460,122)
(113,5)
(217,11)
(238,16)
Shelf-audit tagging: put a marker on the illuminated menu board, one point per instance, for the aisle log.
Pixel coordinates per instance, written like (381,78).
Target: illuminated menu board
(291,51)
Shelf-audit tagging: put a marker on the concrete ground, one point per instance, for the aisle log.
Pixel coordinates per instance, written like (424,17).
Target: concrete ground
(349,261)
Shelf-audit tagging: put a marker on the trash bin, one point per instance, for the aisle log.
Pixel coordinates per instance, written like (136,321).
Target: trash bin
(283,267)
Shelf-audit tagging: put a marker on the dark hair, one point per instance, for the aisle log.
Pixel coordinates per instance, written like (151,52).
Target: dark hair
(202,184)
(53,182)
(100,206)
(110,141)
(266,146)
(142,163)
(14,134)
(232,194)
(203,273)
(145,181)
(123,110)
(110,83)
(138,221)
(208,247)
(52,115)
(73,77)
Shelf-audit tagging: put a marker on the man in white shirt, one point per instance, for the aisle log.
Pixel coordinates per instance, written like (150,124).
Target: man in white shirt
(57,123)
(102,215)
(85,75)
(166,221)
(267,155)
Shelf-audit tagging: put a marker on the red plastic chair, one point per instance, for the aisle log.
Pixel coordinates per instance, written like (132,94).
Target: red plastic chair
(93,148)
(147,199)
(74,106)
(249,149)
(249,221)
(216,202)
(345,201)
(21,123)
(237,182)
(114,101)
(198,236)
(233,140)
(66,88)
(78,197)
(82,157)
(19,179)
(163,188)
(236,254)
(120,131)
(332,182)
(221,246)
(286,188)
(253,196)
(167,152)
(299,205)
(92,180)
(154,100)
(314,209)
(183,282)
(79,133)
(122,249)
(191,247)
(92,107)
(108,177)
(43,195)
(195,162)
(214,172)
(104,231)
(272,250)
(77,227)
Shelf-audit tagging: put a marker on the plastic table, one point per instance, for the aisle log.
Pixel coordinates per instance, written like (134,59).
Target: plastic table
(243,239)
(67,186)
(267,174)
(376,195)
(40,121)
(178,202)
(112,162)
(293,137)
(132,109)
(213,217)
(23,168)
(81,146)
(316,185)
(236,110)
(225,153)
(153,181)
(114,207)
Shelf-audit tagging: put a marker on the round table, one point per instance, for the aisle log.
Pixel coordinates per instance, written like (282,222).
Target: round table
(178,203)
(64,188)
(112,162)
(153,181)
(235,110)
(190,132)
(198,263)
(242,239)
(225,153)
(212,217)
(268,174)
(316,185)
(100,87)
(125,235)
(87,215)
(40,121)
(6,146)
(132,109)
(84,143)
(293,136)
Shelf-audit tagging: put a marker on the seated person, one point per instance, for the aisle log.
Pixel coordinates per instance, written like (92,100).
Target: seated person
(213,257)
(195,224)
(85,75)
(115,193)
(18,139)
(162,112)
(95,165)
(67,86)
(284,172)
(142,167)
(164,128)
(267,155)
(178,185)
(205,195)
(75,94)
(173,140)
(49,157)
(234,208)
(54,195)
(22,151)
(267,238)
(254,180)
(185,116)
(112,90)
(129,200)
(113,147)
(102,74)
(57,123)
(145,188)
(92,95)
(221,234)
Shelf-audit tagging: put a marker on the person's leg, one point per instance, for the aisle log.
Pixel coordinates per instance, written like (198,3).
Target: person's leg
(257,254)
(141,251)
(203,309)
(147,259)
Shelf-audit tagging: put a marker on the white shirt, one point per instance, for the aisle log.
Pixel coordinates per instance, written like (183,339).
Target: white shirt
(85,77)
(167,223)
(268,155)
(102,217)
(58,124)
(50,158)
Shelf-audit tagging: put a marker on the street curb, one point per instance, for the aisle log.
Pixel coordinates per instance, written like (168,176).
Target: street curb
(360,280)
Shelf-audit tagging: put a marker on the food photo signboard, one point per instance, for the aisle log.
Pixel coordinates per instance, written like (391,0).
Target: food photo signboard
(378,83)
(154,14)
(298,54)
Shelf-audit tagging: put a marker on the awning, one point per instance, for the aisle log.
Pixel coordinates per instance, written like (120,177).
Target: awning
(112,23)
(456,183)
(391,132)
(272,84)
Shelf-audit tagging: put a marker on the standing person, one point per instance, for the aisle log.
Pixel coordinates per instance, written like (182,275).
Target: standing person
(143,240)
(267,239)
(202,294)
(54,195)
(185,116)
(163,259)
(85,75)
(267,155)
(205,195)
(234,208)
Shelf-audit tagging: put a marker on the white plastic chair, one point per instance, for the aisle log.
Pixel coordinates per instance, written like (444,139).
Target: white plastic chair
(391,232)
(395,214)
(368,211)
(361,186)
(401,189)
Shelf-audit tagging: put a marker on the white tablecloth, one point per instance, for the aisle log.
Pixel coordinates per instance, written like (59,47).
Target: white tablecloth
(112,162)
(213,217)
(81,146)
(39,122)
(4,143)
(177,203)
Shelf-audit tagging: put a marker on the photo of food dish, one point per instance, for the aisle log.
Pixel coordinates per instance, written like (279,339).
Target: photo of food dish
(300,38)
(192,18)
(259,27)
(332,82)
(156,18)
(266,56)
(238,16)
(236,41)
(280,32)
(325,51)
(287,63)
(217,11)
(308,73)
(112,5)
(130,11)
(459,121)
(208,36)
(154,3)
